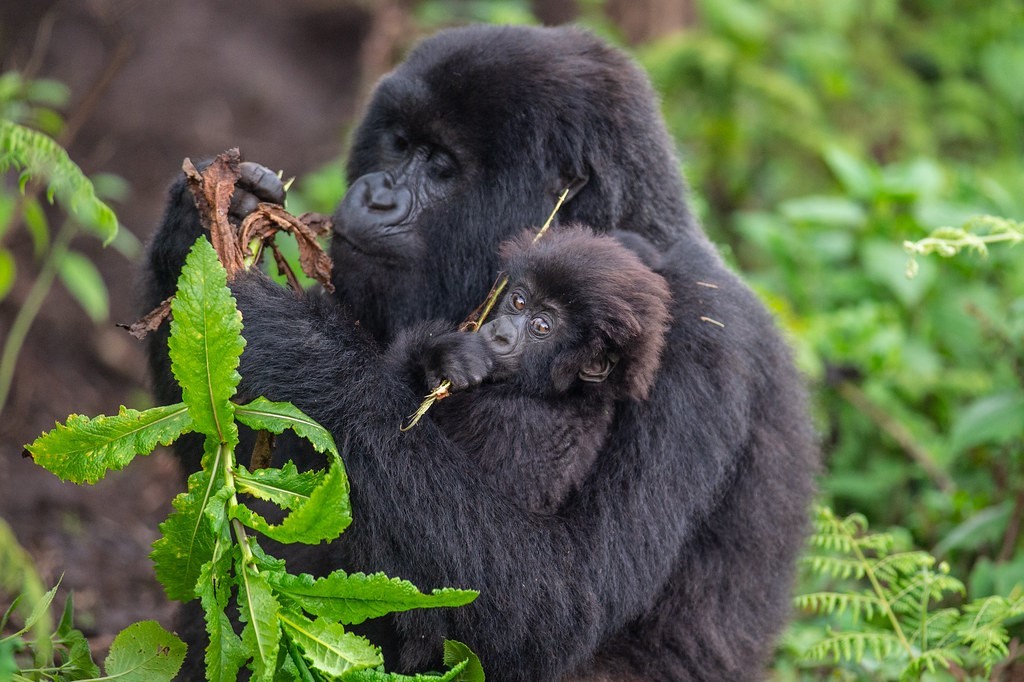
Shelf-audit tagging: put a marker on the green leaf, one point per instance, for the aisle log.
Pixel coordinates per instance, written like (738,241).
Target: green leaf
(351,599)
(455,653)
(36,154)
(84,449)
(265,415)
(885,263)
(379,675)
(259,610)
(286,487)
(40,610)
(144,652)
(78,663)
(84,282)
(206,343)
(187,538)
(327,646)
(993,419)
(824,210)
(225,654)
(37,224)
(322,516)
(8,664)
(857,177)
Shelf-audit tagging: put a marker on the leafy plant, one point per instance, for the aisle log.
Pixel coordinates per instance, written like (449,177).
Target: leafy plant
(142,652)
(291,625)
(897,607)
(38,157)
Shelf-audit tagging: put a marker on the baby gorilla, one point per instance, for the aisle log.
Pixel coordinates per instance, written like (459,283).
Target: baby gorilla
(582,326)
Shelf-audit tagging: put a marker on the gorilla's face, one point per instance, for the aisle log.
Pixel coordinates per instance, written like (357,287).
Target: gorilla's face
(469,141)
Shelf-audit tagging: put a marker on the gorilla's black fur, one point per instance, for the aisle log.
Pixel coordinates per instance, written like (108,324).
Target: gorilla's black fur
(674,561)
(580,327)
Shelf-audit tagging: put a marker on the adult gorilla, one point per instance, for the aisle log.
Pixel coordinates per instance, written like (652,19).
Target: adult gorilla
(674,560)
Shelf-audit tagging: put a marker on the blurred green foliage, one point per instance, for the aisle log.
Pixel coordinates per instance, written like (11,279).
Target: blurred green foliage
(818,137)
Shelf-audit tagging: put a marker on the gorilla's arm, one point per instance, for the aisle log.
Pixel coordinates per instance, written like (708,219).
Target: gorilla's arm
(553,587)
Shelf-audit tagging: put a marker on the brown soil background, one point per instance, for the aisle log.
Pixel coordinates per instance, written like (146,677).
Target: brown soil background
(152,83)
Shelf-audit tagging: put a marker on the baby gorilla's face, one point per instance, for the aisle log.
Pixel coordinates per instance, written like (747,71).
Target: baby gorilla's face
(524,332)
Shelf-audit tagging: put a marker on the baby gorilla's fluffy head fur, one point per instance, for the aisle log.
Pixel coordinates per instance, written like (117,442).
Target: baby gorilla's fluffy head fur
(616,305)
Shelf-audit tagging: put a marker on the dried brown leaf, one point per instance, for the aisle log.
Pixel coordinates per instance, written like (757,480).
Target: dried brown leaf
(212,190)
(151,321)
(268,219)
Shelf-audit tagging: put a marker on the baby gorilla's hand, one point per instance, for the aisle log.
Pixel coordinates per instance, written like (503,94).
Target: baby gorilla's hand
(463,358)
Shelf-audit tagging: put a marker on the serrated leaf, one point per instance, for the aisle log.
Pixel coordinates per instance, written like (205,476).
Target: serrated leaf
(286,487)
(327,647)
(456,653)
(225,654)
(323,516)
(259,610)
(351,599)
(83,449)
(41,609)
(206,343)
(379,675)
(84,282)
(187,539)
(266,415)
(144,652)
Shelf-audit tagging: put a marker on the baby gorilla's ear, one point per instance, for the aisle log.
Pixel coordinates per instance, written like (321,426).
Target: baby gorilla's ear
(597,369)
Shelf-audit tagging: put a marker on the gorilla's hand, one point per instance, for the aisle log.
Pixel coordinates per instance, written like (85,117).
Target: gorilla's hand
(462,358)
(256,184)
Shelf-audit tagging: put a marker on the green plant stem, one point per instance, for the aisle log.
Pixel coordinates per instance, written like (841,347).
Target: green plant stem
(227,458)
(879,591)
(31,307)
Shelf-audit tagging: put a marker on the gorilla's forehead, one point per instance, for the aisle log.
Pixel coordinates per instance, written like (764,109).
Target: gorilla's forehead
(507,80)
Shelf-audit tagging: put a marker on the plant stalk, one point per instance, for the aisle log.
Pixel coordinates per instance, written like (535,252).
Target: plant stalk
(31,307)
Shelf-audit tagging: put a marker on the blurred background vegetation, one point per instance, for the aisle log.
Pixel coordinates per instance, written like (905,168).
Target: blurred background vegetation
(817,136)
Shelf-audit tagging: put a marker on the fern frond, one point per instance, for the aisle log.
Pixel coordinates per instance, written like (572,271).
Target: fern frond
(930,661)
(851,646)
(39,156)
(891,566)
(860,606)
(837,567)
(983,626)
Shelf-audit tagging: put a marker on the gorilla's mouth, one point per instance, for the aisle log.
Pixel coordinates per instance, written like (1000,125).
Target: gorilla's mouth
(391,245)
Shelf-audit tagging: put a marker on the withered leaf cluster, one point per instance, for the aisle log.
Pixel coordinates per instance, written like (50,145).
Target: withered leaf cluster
(239,246)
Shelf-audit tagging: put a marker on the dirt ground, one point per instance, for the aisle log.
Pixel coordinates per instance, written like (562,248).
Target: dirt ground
(151,83)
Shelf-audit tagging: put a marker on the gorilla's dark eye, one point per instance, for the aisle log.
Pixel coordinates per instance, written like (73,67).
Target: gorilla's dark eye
(540,326)
(517,300)
(399,142)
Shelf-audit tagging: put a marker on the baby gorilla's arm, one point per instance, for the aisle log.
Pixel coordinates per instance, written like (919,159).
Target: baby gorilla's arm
(430,352)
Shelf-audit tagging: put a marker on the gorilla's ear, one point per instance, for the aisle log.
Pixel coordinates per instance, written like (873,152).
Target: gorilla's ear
(597,370)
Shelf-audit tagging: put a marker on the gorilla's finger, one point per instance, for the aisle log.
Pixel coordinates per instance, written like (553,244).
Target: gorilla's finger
(262,182)
(242,203)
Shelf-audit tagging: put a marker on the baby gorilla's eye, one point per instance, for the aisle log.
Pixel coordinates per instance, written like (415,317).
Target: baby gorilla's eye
(540,326)
(399,142)
(517,300)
